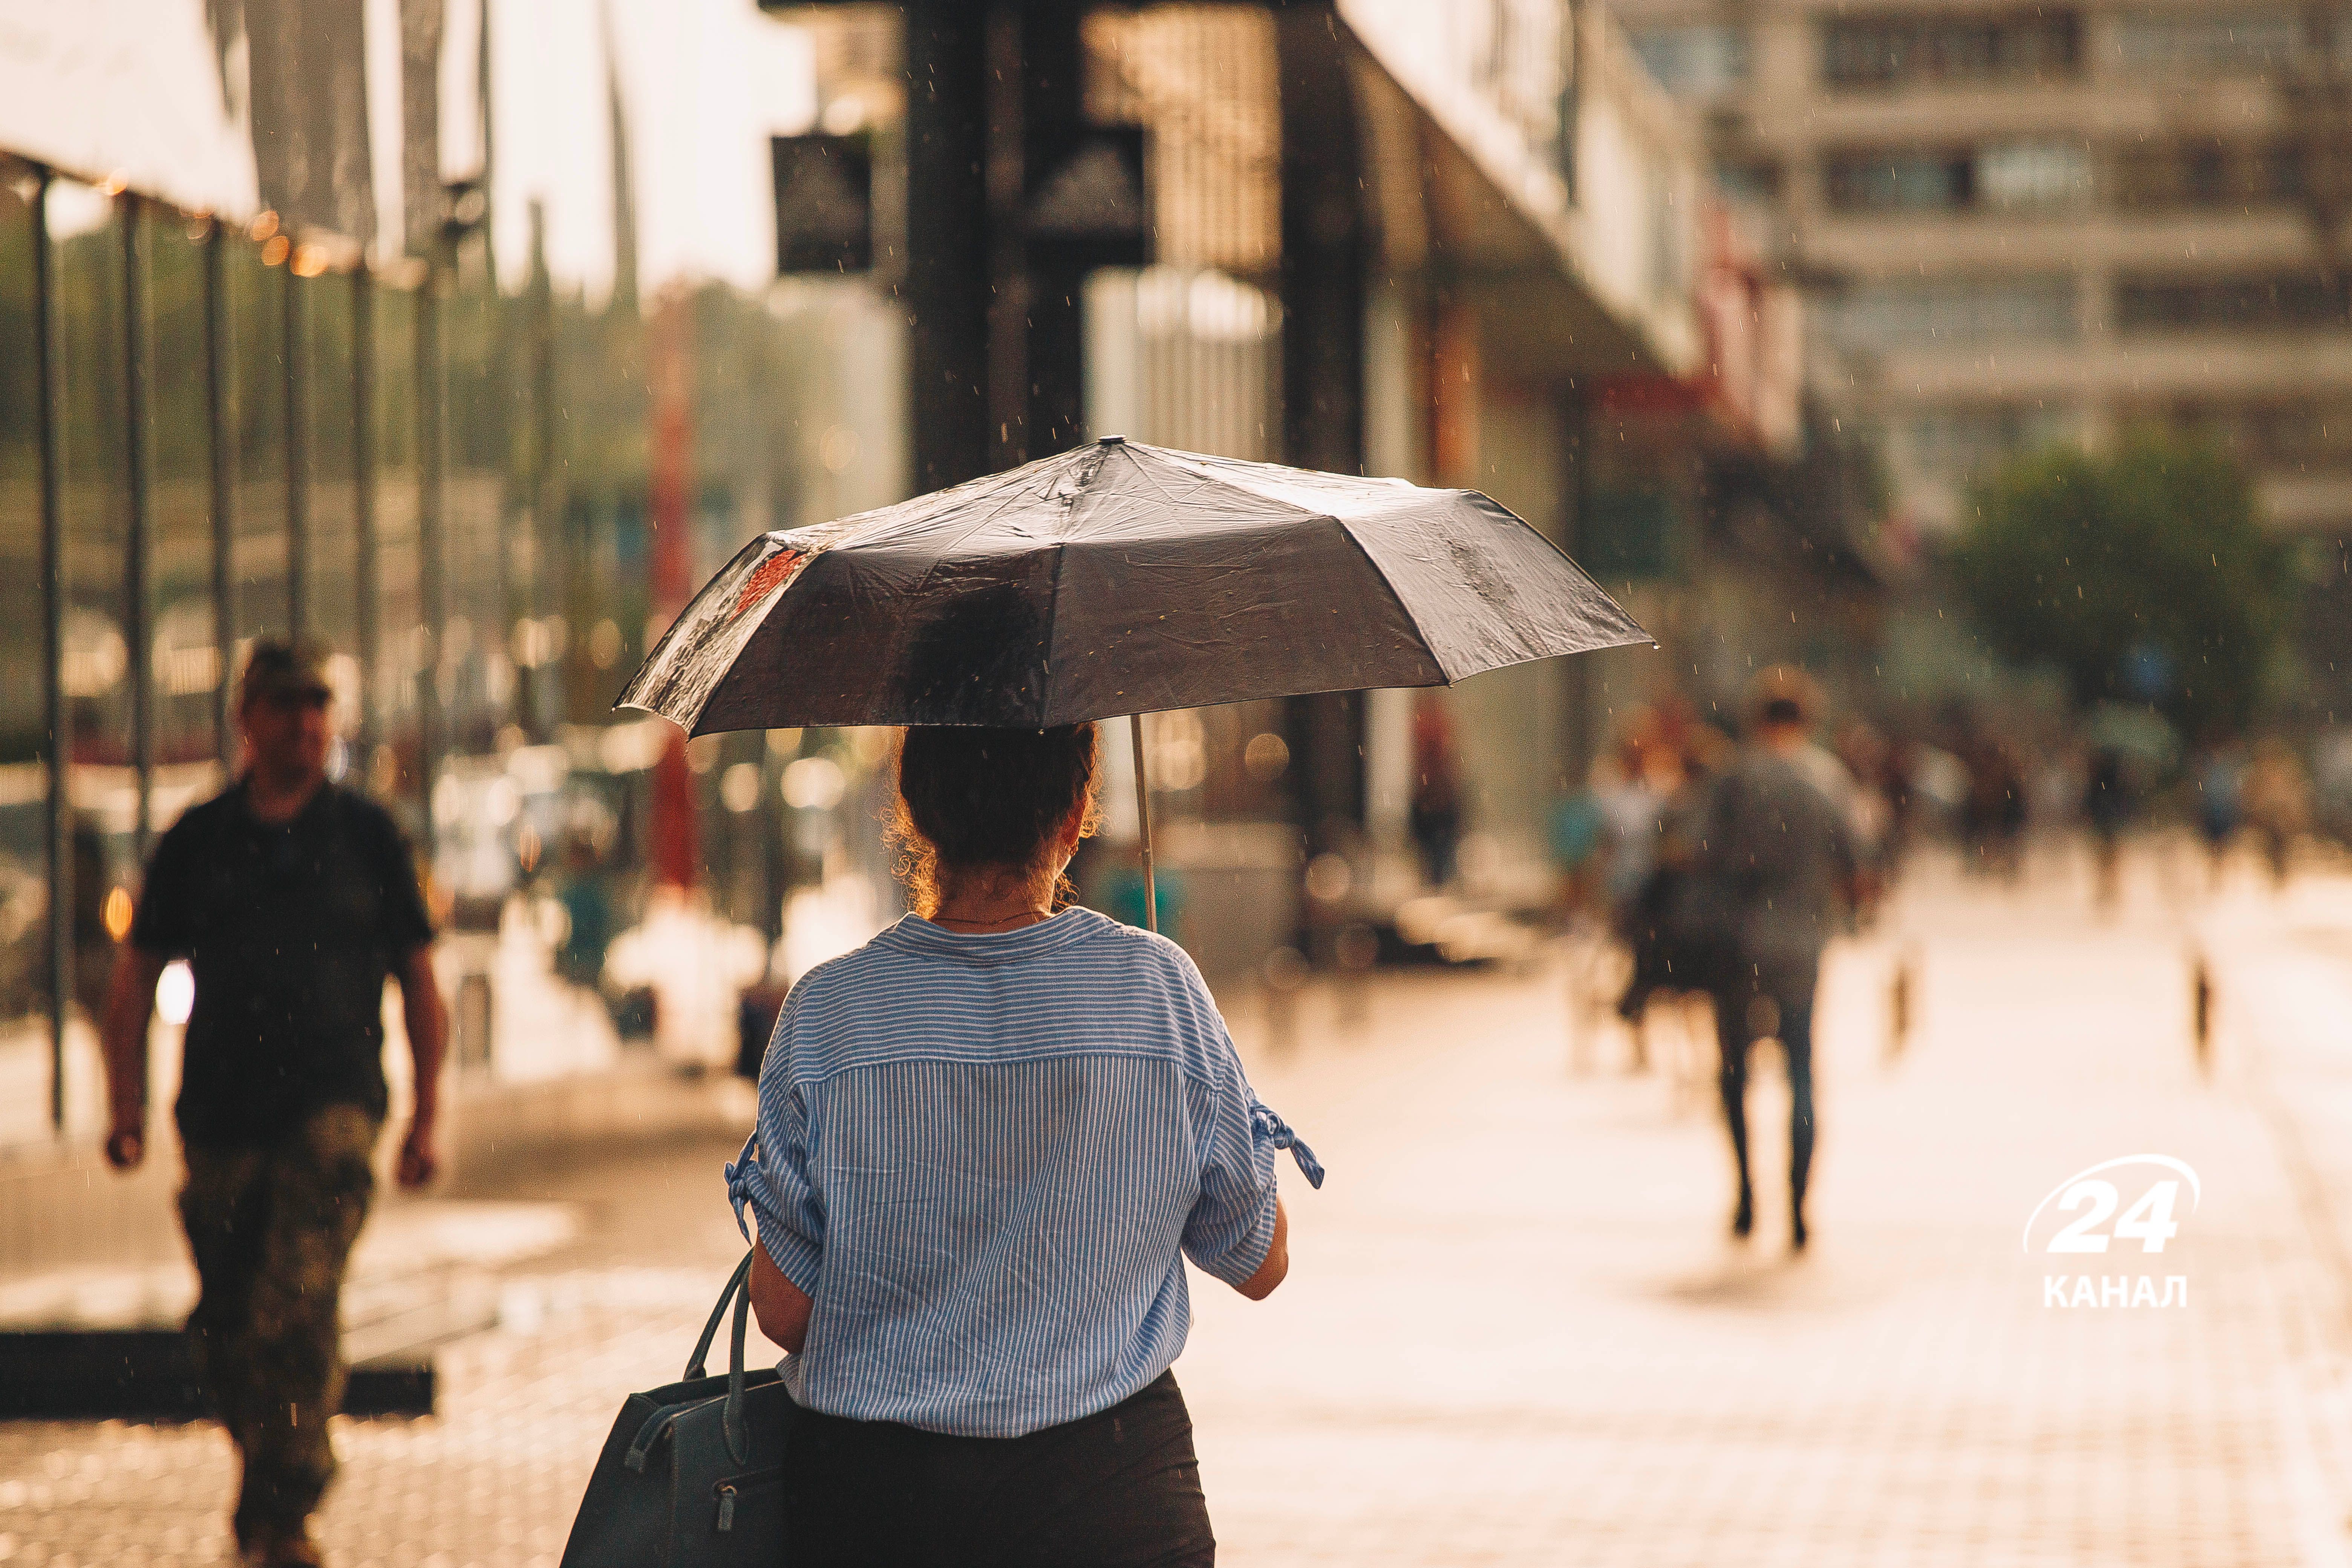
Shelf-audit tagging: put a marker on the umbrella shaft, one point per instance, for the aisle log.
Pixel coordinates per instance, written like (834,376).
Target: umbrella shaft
(1143,822)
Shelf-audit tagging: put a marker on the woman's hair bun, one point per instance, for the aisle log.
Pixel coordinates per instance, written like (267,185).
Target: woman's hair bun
(973,796)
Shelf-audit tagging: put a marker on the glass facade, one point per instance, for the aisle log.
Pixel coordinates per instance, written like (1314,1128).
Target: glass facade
(476,659)
(1893,49)
(2003,177)
(2290,301)
(25,1010)
(1939,312)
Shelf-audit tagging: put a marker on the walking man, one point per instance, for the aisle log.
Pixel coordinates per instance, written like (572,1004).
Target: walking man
(292,900)
(1779,853)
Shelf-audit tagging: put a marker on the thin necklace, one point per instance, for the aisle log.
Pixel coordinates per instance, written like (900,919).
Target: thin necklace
(1008,919)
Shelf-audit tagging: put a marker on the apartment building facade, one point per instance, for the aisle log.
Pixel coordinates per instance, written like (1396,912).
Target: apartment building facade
(2027,223)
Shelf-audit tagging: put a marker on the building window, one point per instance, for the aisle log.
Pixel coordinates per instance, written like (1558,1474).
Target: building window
(2006,177)
(2264,302)
(2310,434)
(1968,443)
(1901,182)
(2204,171)
(2016,176)
(1932,313)
(1754,182)
(1897,50)
(1699,62)
(2206,40)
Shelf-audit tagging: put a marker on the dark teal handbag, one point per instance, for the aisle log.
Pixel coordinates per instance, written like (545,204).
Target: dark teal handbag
(692,1476)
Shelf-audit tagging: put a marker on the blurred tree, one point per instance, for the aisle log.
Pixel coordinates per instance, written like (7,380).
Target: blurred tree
(2145,576)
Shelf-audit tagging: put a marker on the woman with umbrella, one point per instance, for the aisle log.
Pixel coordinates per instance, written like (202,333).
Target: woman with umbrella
(987,1139)
(986,1142)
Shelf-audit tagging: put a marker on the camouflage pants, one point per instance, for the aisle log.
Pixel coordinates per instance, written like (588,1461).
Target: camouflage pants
(271,1228)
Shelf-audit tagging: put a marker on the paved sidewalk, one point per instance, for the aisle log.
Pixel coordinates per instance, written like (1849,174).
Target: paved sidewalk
(1514,1335)
(1514,1331)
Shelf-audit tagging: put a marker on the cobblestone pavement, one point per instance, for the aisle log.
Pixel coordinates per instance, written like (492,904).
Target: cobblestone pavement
(1515,1332)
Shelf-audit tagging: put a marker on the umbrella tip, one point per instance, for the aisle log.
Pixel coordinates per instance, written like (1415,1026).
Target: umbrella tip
(1110,441)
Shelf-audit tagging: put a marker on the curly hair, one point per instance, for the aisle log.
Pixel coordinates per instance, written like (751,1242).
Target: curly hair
(974,798)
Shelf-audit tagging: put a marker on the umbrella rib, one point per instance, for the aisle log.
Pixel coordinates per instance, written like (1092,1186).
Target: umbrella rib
(1348,533)
(1003,498)
(1053,621)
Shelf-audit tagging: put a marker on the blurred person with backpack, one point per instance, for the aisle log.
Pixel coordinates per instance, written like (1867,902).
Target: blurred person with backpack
(1781,871)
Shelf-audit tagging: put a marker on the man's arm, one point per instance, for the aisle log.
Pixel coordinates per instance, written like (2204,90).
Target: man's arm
(428,1042)
(122,1037)
(1276,1264)
(782,1307)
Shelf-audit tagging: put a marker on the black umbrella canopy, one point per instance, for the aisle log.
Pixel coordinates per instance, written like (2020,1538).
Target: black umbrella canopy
(1120,578)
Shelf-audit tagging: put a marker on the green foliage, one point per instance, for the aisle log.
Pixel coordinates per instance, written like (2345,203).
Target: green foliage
(2154,555)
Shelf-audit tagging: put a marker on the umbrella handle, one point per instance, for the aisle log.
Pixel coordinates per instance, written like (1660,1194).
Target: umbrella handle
(1143,822)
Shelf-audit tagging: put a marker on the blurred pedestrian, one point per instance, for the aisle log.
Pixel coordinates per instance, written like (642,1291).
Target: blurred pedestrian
(1673,924)
(1123,893)
(987,1141)
(1630,794)
(2221,804)
(292,899)
(585,894)
(2107,810)
(1434,815)
(1660,910)
(1868,760)
(1995,811)
(2277,803)
(1779,855)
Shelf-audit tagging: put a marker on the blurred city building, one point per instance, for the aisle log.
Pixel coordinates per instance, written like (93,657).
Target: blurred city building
(473,334)
(2026,224)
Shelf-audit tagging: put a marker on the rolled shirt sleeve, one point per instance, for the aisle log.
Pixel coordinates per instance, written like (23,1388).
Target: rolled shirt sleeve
(772,1177)
(1232,1222)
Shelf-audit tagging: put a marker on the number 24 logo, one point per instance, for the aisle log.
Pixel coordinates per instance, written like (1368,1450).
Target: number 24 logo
(2148,1221)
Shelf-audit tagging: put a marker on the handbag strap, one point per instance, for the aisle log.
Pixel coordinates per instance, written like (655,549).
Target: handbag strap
(739,1281)
(730,1420)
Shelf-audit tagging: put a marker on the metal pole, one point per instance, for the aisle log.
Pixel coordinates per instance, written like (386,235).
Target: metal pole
(53,644)
(137,565)
(537,722)
(298,463)
(365,566)
(224,520)
(432,458)
(1143,822)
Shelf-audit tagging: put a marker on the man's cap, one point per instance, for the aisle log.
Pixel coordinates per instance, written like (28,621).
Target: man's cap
(278,667)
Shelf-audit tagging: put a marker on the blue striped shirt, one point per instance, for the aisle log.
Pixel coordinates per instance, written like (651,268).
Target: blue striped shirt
(981,1157)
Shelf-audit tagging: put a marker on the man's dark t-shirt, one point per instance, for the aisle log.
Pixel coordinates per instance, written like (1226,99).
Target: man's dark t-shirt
(291,929)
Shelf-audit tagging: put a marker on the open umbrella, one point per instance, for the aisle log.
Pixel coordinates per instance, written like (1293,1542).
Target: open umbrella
(1115,579)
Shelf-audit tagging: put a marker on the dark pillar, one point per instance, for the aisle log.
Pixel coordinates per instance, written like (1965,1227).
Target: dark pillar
(946,290)
(1323,258)
(1052,111)
(137,470)
(1005,171)
(297,456)
(224,493)
(540,540)
(432,466)
(1580,735)
(1323,249)
(53,645)
(365,564)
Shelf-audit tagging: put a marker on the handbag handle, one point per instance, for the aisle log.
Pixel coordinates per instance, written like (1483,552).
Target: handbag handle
(739,1291)
(740,1281)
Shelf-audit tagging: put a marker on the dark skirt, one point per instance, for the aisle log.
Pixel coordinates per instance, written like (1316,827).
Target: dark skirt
(1113,1489)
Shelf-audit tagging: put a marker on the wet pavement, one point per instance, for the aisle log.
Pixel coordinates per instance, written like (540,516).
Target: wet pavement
(1515,1330)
